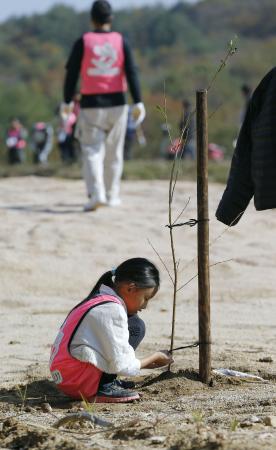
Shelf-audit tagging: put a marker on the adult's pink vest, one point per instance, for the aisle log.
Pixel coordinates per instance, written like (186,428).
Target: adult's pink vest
(14,139)
(73,377)
(102,69)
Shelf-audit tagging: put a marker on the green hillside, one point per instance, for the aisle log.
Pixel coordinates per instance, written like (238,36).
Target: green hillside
(179,48)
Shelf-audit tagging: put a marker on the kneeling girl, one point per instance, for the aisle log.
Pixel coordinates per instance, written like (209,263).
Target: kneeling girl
(97,340)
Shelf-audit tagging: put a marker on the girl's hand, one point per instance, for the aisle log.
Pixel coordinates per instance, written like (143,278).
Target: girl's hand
(158,359)
(163,358)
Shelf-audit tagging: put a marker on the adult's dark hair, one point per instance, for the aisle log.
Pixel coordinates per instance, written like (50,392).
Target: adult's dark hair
(246,89)
(140,271)
(101,12)
(186,103)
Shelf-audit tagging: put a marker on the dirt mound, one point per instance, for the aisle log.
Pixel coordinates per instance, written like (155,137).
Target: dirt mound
(167,384)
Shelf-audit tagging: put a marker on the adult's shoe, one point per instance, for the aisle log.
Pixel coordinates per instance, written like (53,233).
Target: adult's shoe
(93,206)
(114,202)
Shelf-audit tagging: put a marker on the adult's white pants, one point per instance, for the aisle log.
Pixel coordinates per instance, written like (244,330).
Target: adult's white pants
(101,132)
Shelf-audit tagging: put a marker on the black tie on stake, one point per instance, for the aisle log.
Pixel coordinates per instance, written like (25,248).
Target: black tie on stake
(196,344)
(190,223)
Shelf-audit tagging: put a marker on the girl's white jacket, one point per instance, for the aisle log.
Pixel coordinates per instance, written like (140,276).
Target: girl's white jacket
(102,338)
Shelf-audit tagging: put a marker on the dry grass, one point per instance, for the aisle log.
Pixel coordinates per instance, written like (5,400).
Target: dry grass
(133,170)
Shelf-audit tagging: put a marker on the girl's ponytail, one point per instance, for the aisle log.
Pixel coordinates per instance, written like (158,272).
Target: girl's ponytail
(106,279)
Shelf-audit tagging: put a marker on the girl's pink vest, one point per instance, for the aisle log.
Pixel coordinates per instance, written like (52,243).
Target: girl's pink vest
(73,377)
(102,69)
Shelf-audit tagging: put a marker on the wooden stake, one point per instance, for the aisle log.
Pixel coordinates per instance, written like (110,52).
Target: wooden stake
(203,239)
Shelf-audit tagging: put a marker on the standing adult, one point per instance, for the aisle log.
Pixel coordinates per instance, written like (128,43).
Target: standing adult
(187,129)
(41,141)
(104,62)
(65,137)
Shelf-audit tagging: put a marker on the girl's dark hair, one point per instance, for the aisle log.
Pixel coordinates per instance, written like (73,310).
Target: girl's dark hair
(101,12)
(140,271)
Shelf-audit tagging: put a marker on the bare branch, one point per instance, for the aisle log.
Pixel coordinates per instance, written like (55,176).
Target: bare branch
(213,241)
(162,261)
(193,277)
(180,214)
(231,51)
(226,229)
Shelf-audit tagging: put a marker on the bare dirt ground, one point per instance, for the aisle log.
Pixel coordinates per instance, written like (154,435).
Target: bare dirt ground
(51,255)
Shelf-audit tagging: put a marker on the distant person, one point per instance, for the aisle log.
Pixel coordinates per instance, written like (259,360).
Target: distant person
(41,141)
(133,132)
(129,136)
(169,147)
(16,142)
(215,152)
(104,62)
(99,336)
(187,130)
(65,137)
(165,143)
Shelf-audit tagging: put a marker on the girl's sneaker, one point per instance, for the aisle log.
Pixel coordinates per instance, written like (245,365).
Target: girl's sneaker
(125,384)
(114,393)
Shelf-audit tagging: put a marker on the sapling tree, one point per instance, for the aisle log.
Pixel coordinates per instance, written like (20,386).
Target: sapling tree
(177,148)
